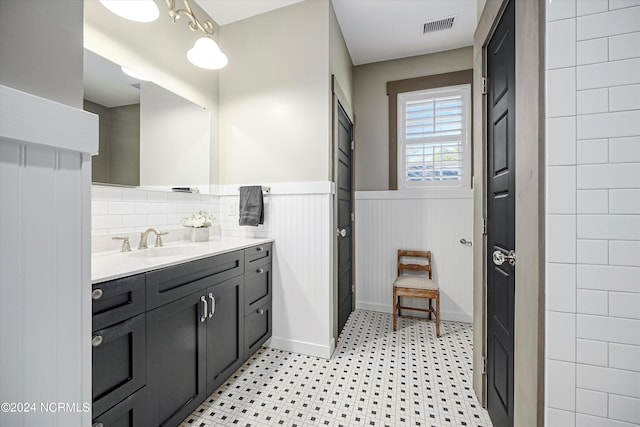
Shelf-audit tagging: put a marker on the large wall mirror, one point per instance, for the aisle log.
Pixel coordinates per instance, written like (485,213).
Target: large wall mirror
(149,136)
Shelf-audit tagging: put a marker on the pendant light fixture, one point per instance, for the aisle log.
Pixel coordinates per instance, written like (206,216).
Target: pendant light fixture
(133,10)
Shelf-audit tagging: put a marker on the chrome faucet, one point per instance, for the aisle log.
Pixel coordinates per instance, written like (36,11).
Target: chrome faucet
(144,236)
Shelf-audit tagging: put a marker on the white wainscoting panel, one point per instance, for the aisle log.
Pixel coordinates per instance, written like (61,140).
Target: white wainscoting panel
(45,305)
(388,222)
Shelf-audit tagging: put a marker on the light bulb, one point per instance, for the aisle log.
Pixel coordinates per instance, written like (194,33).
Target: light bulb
(133,10)
(205,53)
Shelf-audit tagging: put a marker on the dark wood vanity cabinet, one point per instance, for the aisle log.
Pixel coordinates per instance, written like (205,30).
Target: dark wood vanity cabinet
(204,319)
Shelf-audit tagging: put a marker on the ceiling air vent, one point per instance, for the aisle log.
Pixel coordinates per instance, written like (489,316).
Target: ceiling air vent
(438,25)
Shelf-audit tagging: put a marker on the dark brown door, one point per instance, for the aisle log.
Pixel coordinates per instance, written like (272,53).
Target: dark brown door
(501,218)
(345,241)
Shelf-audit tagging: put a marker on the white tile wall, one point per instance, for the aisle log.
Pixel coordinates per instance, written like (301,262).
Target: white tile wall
(593,250)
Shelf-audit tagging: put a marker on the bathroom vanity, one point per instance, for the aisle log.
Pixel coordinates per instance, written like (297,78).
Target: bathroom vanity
(168,333)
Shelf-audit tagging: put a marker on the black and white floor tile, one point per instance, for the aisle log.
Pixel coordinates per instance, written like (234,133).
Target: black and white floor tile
(376,377)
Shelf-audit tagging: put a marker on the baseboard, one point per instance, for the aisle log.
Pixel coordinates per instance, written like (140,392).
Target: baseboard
(454,316)
(301,347)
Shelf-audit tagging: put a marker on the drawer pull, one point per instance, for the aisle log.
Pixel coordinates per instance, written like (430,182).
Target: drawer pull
(261,312)
(259,249)
(260,271)
(96,340)
(205,309)
(213,305)
(96,294)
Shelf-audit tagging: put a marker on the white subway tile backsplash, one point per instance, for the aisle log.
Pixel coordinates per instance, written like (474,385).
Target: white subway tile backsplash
(593,101)
(624,46)
(623,98)
(624,357)
(606,74)
(616,227)
(588,7)
(608,23)
(105,192)
(592,51)
(612,329)
(561,238)
(624,201)
(609,125)
(134,220)
(105,221)
(559,418)
(592,402)
(592,352)
(584,420)
(99,207)
(619,4)
(561,92)
(560,385)
(619,175)
(624,408)
(134,195)
(561,287)
(561,9)
(120,208)
(157,196)
(625,253)
(625,305)
(622,150)
(592,302)
(561,141)
(593,151)
(561,44)
(592,201)
(157,219)
(561,336)
(609,278)
(608,380)
(561,189)
(592,252)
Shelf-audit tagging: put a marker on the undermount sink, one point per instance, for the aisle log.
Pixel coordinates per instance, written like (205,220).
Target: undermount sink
(168,251)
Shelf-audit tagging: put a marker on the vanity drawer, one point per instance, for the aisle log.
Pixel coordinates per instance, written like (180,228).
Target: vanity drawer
(257,255)
(171,283)
(117,300)
(257,328)
(257,287)
(131,412)
(119,355)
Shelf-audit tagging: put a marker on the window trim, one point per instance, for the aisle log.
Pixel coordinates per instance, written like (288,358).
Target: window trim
(465,182)
(414,84)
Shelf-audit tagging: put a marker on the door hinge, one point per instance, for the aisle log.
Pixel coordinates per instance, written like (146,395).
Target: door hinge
(485,85)
(353,216)
(484,226)
(353,145)
(484,365)
(353,289)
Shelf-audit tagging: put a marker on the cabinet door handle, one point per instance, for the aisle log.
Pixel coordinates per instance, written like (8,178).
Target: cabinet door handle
(213,305)
(259,249)
(205,309)
(96,340)
(96,294)
(260,271)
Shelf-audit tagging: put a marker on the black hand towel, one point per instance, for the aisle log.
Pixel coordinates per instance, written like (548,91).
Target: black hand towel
(251,205)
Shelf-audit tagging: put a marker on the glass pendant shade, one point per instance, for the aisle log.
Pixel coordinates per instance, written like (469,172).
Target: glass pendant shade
(133,10)
(205,53)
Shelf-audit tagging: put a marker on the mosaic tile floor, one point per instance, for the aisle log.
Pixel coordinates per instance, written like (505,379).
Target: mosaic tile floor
(376,377)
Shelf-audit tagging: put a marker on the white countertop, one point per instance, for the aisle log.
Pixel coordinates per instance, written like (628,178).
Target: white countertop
(113,265)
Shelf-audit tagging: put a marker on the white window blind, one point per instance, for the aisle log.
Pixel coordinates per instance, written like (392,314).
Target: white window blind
(433,137)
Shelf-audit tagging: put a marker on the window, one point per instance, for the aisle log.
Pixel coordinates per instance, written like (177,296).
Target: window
(434,129)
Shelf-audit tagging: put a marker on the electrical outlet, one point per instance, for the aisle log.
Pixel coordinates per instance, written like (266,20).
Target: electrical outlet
(231,210)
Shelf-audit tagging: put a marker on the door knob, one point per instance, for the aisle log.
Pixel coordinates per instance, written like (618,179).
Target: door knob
(342,232)
(499,258)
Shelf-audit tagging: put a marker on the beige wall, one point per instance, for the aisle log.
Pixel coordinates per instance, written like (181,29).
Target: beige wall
(41,48)
(372,111)
(340,64)
(274,97)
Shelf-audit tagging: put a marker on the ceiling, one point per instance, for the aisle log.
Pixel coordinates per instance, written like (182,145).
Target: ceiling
(375,30)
